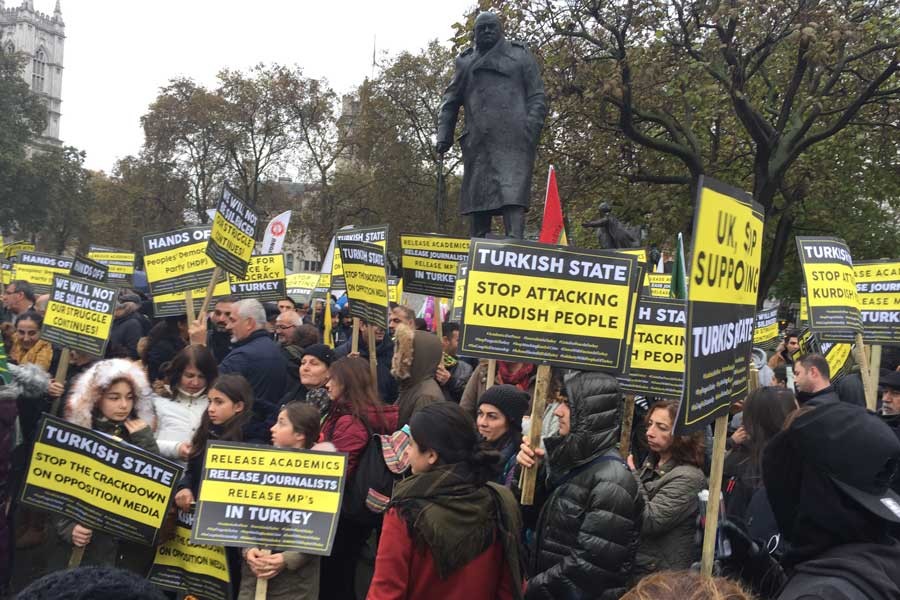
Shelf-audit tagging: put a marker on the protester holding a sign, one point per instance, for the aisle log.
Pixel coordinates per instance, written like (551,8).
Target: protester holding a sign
(670,480)
(182,403)
(448,532)
(28,347)
(587,533)
(114,398)
(356,413)
(227,419)
(786,349)
(127,328)
(452,374)
(291,575)
(519,374)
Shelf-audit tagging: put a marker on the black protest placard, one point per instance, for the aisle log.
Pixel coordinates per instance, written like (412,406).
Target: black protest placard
(660,284)
(264,280)
(878,289)
(365,276)
(88,269)
(176,261)
(38,269)
(119,262)
(721,310)
(830,288)
(430,262)
(180,566)
(98,481)
(233,234)
(765,332)
(374,235)
(79,315)
(260,496)
(656,361)
(459,293)
(544,304)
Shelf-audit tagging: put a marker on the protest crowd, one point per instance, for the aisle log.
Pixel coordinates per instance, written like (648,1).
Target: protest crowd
(809,509)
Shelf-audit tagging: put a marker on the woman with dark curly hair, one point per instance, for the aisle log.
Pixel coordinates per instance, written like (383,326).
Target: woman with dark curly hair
(669,480)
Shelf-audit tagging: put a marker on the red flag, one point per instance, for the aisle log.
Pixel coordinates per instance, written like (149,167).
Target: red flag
(553,229)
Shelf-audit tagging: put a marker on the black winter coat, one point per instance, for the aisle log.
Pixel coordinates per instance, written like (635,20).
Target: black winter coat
(589,526)
(124,335)
(259,359)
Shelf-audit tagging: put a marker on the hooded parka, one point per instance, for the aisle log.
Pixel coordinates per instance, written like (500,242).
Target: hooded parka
(589,526)
(416,358)
(82,409)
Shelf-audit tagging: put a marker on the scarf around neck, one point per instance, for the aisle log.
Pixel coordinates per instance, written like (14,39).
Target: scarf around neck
(521,378)
(458,519)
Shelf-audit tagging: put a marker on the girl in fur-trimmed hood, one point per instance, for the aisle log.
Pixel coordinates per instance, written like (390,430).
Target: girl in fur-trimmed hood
(83,404)
(112,397)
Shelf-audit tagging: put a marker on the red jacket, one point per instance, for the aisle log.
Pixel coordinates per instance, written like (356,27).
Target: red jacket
(349,434)
(403,571)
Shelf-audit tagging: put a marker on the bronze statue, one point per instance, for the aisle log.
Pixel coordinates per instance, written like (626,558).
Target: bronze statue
(612,233)
(499,85)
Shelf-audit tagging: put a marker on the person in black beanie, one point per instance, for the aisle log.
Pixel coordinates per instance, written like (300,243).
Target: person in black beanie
(314,363)
(499,420)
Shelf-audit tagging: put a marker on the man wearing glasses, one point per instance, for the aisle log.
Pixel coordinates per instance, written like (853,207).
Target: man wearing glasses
(18,297)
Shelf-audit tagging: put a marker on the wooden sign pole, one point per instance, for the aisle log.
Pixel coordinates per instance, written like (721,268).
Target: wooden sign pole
(262,585)
(217,272)
(354,341)
(720,436)
(859,355)
(528,478)
(438,325)
(62,369)
(373,356)
(189,306)
(491,373)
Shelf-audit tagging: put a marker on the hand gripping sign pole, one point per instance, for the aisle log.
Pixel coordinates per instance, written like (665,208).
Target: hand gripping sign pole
(373,356)
(870,386)
(627,426)
(262,585)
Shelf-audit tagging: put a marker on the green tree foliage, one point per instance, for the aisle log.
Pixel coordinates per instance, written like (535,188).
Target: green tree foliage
(182,128)
(22,117)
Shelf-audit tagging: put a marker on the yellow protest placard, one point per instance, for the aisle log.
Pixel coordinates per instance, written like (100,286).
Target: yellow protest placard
(269,498)
(79,315)
(264,281)
(300,286)
(233,234)
(459,293)
(660,284)
(878,289)
(101,483)
(197,570)
(119,262)
(765,333)
(830,288)
(430,262)
(6,271)
(721,310)
(38,269)
(656,361)
(13,248)
(365,276)
(176,261)
(537,303)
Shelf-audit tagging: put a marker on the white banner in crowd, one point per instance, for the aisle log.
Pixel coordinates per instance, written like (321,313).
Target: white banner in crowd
(276,231)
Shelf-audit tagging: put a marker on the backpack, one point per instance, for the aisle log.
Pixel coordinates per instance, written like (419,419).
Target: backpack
(367,493)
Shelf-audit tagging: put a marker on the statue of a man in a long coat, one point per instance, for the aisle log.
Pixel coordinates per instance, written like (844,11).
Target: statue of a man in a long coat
(499,85)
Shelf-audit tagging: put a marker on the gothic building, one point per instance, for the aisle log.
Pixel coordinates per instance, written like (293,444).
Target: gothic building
(40,36)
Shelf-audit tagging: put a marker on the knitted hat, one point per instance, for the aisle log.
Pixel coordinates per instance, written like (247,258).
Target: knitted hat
(320,351)
(511,401)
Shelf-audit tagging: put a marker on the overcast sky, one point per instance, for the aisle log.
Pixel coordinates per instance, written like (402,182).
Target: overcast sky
(118,53)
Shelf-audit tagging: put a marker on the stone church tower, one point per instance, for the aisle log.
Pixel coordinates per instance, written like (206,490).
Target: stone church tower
(41,37)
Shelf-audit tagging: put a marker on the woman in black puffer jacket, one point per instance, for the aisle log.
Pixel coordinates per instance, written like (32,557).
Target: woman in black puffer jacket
(587,533)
